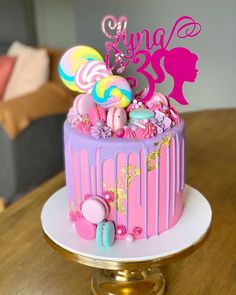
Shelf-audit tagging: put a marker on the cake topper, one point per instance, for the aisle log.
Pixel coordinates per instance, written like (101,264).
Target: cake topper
(178,62)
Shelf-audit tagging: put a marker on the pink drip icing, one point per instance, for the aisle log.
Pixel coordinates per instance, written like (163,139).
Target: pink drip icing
(178,162)
(173,176)
(183,164)
(167,186)
(94,173)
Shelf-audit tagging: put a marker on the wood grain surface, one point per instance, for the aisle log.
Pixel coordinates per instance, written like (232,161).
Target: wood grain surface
(29,266)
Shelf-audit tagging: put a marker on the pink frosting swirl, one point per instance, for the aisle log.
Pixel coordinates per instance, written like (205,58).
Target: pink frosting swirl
(84,125)
(73,117)
(149,131)
(128,133)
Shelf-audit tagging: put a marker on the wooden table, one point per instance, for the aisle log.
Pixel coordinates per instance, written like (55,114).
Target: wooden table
(29,266)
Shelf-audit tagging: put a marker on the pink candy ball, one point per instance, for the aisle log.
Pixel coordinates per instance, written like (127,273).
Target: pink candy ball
(129,238)
(120,132)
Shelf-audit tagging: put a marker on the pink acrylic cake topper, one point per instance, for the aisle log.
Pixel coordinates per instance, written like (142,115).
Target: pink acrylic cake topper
(178,62)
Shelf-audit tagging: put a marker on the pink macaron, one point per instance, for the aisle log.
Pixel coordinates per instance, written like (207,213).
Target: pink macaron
(83,103)
(85,229)
(157,99)
(116,118)
(97,113)
(95,209)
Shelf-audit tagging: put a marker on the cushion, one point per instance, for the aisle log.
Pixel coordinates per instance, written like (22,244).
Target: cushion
(55,56)
(31,70)
(6,68)
(17,114)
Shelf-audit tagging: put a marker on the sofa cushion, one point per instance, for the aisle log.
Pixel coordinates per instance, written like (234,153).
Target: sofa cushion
(17,114)
(6,68)
(30,72)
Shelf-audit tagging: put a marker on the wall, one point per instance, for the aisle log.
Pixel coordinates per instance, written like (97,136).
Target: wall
(16,23)
(56,22)
(65,23)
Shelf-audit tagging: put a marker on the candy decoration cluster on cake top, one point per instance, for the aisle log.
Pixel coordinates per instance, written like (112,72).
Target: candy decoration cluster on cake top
(107,107)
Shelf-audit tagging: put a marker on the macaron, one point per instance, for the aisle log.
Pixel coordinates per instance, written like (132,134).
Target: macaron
(116,118)
(85,229)
(83,103)
(95,209)
(105,234)
(141,114)
(97,113)
(158,98)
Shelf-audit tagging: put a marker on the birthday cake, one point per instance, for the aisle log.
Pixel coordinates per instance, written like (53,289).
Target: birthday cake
(124,152)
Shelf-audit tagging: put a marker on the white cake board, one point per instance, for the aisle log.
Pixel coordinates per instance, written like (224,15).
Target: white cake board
(192,226)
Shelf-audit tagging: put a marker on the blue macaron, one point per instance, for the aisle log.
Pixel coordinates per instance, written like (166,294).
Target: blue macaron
(105,234)
(141,114)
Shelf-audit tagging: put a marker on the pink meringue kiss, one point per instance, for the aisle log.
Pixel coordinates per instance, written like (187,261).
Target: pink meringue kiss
(129,133)
(83,126)
(149,131)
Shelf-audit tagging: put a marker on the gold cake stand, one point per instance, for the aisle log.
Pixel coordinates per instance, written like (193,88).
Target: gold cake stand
(139,272)
(123,278)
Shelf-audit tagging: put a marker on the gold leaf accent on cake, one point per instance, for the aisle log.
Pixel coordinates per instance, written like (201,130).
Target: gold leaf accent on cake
(166,140)
(72,207)
(152,158)
(120,199)
(128,173)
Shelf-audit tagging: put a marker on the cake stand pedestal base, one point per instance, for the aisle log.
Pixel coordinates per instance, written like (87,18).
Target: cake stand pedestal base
(143,281)
(128,268)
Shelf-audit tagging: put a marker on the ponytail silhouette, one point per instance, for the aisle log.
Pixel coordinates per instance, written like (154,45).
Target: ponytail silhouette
(156,64)
(180,64)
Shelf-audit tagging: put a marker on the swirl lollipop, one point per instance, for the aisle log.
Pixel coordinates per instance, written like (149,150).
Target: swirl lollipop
(89,73)
(112,91)
(72,60)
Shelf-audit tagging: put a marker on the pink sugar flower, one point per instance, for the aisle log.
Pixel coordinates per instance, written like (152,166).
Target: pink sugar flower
(73,117)
(74,215)
(137,230)
(120,230)
(108,196)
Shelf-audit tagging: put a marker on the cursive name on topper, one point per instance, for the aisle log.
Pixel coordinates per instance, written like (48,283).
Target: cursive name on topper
(179,62)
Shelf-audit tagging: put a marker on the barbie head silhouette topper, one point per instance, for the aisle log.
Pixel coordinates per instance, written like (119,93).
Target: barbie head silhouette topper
(157,59)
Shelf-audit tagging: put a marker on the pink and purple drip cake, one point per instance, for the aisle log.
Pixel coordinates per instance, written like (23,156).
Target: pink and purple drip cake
(137,169)
(124,151)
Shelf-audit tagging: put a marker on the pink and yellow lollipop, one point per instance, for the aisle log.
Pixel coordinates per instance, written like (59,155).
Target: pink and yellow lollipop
(72,60)
(112,91)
